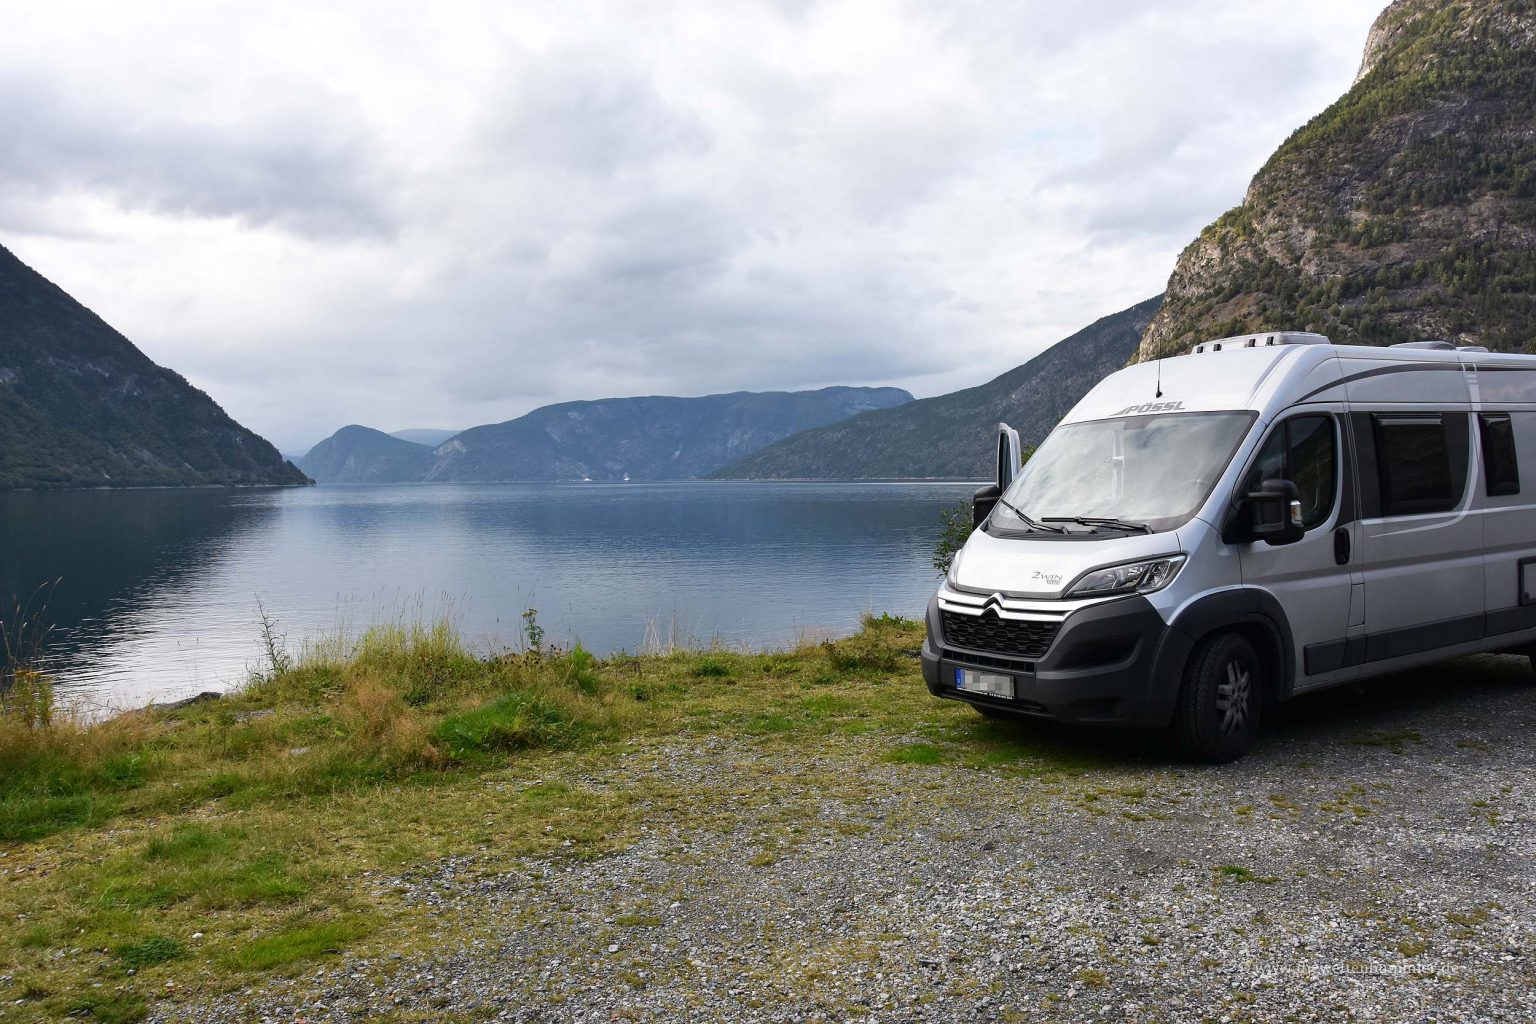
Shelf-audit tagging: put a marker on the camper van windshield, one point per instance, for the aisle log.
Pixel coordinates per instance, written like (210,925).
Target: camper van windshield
(1123,473)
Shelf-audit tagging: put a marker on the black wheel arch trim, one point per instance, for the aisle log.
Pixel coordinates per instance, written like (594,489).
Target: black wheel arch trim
(1242,606)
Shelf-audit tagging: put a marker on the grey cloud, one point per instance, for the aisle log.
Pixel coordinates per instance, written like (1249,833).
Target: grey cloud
(581,111)
(660,246)
(308,171)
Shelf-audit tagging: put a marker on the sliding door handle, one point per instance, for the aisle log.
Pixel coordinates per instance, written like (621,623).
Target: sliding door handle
(1341,545)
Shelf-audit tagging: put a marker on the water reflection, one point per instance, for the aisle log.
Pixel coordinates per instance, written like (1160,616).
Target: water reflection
(158,589)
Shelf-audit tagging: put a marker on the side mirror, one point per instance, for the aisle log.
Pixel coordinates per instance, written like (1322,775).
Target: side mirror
(983,502)
(1271,514)
(1010,456)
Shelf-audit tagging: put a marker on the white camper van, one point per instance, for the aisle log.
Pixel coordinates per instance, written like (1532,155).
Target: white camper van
(1205,535)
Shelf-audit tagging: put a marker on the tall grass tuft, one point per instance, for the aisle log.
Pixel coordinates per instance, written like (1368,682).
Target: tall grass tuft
(873,649)
(423,662)
(27,699)
(55,770)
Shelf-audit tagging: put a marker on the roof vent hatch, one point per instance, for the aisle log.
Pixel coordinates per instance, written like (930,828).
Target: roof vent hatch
(1267,340)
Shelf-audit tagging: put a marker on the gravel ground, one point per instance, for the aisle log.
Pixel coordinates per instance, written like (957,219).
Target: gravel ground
(1371,860)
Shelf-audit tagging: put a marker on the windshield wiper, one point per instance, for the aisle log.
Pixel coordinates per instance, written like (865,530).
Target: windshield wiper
(1032,524)
(1119,524)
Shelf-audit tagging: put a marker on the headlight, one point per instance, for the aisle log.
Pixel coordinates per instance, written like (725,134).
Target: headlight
(1133,577)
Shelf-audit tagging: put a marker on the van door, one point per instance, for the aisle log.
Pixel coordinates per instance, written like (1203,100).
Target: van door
(1313,579)
(1423,547)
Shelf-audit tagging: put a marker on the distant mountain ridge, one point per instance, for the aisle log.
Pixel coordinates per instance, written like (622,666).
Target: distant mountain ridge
(951,436)
(362,455)
(429,436)
(645,438)
(1405,211)
(80,406)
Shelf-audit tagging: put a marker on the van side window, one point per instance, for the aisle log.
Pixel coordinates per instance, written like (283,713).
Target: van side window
(1413,461)
(1500,466)
(1302,450)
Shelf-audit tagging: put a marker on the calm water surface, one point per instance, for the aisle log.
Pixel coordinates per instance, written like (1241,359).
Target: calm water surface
(157,590)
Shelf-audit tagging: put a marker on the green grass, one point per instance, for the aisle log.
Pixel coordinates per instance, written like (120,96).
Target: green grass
(516,721)
(714,667)
(916,753)
(156,949)
(1238,873)
(260,822)
(295,944)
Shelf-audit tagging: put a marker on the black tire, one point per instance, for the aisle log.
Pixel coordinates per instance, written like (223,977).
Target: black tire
(1212,723)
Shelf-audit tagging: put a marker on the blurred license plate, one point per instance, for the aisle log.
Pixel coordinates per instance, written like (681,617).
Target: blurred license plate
(983,682)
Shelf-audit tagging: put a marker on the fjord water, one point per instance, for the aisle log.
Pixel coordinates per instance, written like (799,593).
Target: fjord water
(156,591)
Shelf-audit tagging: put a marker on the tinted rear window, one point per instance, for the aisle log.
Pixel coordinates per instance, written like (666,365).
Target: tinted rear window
(1501,467)
(1414,462)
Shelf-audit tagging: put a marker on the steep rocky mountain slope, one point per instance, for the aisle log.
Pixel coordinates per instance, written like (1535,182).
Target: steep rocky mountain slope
(951,436)
(80,406)
(1405,211)
(362,455)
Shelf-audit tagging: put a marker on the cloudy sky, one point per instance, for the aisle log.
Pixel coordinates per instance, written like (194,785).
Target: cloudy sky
(449,214)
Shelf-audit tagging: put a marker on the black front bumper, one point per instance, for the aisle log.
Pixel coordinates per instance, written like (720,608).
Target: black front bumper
(1116,663)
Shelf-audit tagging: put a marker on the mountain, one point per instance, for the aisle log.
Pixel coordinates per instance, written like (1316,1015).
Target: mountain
(1405,211)
(362,455)
(951,436)
(655,438)
(429,436)
(80,406)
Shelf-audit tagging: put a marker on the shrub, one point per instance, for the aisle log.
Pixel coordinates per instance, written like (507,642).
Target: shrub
(955,528)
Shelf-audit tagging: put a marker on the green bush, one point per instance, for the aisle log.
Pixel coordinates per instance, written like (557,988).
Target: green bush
(955,528)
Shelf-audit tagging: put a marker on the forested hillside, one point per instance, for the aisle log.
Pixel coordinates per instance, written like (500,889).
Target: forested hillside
(80,406)
(951,436)
(1405,211)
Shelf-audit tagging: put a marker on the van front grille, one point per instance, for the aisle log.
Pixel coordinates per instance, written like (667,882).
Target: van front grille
(987,632)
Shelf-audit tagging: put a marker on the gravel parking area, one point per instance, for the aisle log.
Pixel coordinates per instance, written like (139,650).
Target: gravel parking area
(1373,859)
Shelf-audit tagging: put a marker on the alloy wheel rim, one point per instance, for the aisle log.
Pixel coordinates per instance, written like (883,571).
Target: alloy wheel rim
(1232,697)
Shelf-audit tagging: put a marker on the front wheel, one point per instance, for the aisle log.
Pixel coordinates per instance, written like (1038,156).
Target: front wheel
(1218,713)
